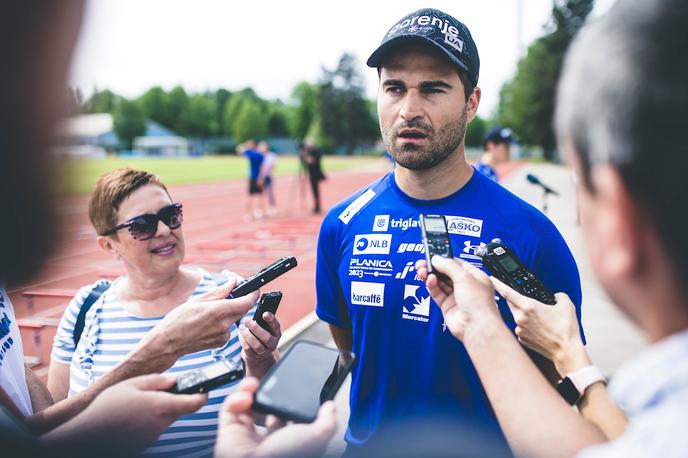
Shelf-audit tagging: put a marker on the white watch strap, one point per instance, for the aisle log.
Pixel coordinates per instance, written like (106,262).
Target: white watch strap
(583,378)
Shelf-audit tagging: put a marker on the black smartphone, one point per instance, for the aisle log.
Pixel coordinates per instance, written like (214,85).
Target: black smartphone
(503,263)
(208,377)
(263,277)
(307,375)
(268,303)
(435,239)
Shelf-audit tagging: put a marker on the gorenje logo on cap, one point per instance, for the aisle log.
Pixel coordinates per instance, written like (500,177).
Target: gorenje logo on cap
(426,22)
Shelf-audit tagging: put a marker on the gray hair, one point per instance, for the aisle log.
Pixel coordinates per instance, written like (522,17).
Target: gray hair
(623,100)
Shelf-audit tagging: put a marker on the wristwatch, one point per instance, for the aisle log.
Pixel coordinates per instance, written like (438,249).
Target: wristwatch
(574,384)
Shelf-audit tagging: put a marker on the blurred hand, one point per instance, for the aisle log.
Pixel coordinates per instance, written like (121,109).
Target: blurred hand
(126,418)
(258,345)
(200,323)
(467,300)
(551,330)
(237,435)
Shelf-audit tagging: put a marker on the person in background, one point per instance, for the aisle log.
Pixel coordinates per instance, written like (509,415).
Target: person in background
(618,141)
(266,176)
(497,144)
(139,224)
(255,205)
(312,156)
(122,413)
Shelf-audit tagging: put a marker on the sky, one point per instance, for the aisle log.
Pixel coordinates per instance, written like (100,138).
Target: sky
(129,46)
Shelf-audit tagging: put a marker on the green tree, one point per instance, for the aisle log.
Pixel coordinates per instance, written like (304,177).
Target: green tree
(526,102)
(199,117)
(305,99)
(235,105)
(222,96)
(154,105)
(343,111)
(250,122)
(129,122)
(175,104)
(475,131)
(278,123)
(101,102)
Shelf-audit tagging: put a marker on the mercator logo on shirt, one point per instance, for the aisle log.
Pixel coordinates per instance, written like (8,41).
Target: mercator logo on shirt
(365,293)
(372,244)
(416,305)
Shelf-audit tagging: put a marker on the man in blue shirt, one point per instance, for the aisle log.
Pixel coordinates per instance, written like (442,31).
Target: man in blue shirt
(497,143)
(409,366)
(255,190)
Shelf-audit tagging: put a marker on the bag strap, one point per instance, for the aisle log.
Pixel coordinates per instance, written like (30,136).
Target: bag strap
(91,299)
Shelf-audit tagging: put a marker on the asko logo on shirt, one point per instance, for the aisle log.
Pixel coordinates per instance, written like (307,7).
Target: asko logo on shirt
(372,244)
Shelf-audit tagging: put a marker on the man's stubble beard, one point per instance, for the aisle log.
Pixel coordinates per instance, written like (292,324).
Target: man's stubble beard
(442,143)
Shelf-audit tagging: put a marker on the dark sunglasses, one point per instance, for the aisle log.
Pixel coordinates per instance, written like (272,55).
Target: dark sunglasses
(144,227)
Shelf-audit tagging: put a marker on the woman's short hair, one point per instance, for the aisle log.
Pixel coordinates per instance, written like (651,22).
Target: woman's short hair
(112,188)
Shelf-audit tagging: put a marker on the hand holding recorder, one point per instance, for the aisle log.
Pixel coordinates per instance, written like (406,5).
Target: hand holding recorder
(238,437)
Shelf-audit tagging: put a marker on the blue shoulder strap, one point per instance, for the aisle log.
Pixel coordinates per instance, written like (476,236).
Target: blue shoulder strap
(91,299)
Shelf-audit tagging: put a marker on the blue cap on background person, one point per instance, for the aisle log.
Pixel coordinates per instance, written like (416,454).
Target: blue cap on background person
(500,134)
(439,29)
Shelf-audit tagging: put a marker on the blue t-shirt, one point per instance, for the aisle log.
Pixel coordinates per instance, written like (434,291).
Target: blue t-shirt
(409,365)
(255,159)
(487,170)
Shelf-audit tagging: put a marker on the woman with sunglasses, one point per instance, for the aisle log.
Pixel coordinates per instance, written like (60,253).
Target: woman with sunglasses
(138,223)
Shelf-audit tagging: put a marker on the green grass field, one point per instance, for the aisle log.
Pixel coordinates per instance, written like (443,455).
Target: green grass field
(80,175)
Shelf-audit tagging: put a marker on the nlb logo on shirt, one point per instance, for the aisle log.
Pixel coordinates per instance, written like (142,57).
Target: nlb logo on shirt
(381,223)
(416,306)
(464,226)
(372,243)
(370,294)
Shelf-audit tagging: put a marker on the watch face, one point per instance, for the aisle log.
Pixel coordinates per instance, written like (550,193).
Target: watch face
(568,391)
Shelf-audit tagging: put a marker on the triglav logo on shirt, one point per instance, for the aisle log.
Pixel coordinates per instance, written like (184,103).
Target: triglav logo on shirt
(372,244)
(364,293)
(416,306)
(404,223)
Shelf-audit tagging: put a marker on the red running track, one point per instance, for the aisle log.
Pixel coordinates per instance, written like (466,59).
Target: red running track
(217,237)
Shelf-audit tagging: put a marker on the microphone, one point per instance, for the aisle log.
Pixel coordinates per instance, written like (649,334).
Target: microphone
(535,180)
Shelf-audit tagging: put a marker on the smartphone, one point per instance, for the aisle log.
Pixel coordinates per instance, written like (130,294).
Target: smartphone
(208,377)
(263,277)
(268,303)
(503,263)
(435,239)
(307,375)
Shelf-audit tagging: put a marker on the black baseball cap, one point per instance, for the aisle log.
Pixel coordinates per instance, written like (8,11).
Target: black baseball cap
(439,29)
(499,134)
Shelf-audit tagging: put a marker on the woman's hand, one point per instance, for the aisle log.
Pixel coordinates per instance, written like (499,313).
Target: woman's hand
(237,435)
(203,322)
(259,347)
(551,330)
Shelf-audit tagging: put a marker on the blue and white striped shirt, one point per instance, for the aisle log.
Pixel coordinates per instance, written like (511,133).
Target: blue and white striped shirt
(110,333)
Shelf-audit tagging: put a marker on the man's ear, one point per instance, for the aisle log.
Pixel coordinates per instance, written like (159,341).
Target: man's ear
(472,103)
(621,227)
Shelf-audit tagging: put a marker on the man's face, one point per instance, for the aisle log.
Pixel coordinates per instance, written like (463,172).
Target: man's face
(422,107)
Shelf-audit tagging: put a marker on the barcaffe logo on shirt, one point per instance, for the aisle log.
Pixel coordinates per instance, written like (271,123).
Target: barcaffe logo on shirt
(372,244)
(465,226)
(365,293)
(381,223)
